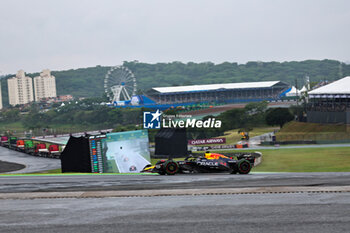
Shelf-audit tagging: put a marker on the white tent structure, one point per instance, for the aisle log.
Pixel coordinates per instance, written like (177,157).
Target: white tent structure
(330,103)
(302,90)
(339,87)
(293,92)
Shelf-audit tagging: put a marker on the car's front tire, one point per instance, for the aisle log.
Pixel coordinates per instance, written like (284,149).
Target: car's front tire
(171,167)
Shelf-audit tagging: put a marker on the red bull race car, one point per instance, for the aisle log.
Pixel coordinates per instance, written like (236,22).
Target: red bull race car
(240,163)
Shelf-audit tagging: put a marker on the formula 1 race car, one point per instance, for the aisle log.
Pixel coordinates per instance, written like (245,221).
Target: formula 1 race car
(209,163)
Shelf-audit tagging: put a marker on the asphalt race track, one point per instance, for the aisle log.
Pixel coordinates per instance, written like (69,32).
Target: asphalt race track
(155,182)
(296,212)
(258,202)
(31,163)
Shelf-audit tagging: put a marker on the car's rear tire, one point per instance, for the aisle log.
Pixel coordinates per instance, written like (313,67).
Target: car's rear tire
(244,166)
(171,167)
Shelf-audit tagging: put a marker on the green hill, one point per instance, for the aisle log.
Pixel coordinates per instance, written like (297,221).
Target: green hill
(299,131)
(88,82)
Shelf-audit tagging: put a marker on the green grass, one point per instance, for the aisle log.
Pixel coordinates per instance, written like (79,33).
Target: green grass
(296,131)
(59,172)
(78,174)
(307,127)
(332,159)
(54,171)
(13,127)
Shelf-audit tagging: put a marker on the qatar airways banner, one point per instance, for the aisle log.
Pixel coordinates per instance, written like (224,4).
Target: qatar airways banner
(207,141)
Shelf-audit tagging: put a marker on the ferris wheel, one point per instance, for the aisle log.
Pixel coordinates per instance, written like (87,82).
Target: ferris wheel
(120,84)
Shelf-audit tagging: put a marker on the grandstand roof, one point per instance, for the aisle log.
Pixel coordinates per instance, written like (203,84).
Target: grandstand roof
(212,87)
(341,86)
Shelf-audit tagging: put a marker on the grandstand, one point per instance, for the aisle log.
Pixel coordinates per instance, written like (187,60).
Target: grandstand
(330,103)
(219,93)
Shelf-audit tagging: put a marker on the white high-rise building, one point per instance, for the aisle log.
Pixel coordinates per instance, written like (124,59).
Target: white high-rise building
(44,85)
(20,89)
(0,97)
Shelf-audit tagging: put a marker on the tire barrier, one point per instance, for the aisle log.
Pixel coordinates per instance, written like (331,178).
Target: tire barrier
(219,147)
(32,147)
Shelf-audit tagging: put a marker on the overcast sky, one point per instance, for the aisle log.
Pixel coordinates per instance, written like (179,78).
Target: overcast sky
(69,34)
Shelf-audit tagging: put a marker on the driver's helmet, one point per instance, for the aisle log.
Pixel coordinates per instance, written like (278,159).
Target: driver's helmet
(207,154)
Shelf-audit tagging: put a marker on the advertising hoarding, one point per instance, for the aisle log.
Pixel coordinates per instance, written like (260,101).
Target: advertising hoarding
(207,141)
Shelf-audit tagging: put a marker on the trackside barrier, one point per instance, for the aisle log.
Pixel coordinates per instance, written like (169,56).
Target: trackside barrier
(219,147)
(33,147)
(305,142)
(258,160)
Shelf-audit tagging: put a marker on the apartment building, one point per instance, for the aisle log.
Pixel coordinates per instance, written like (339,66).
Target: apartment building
(44,85)
(0,97)
(20,89)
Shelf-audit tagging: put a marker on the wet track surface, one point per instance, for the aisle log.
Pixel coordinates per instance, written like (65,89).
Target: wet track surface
(312,212)
(31,163)
(298,212)
(212,211)
(184,181)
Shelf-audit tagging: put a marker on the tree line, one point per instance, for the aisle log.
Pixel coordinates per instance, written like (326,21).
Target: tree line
(88,82)
(89,113)
(245,119)
(83,114)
